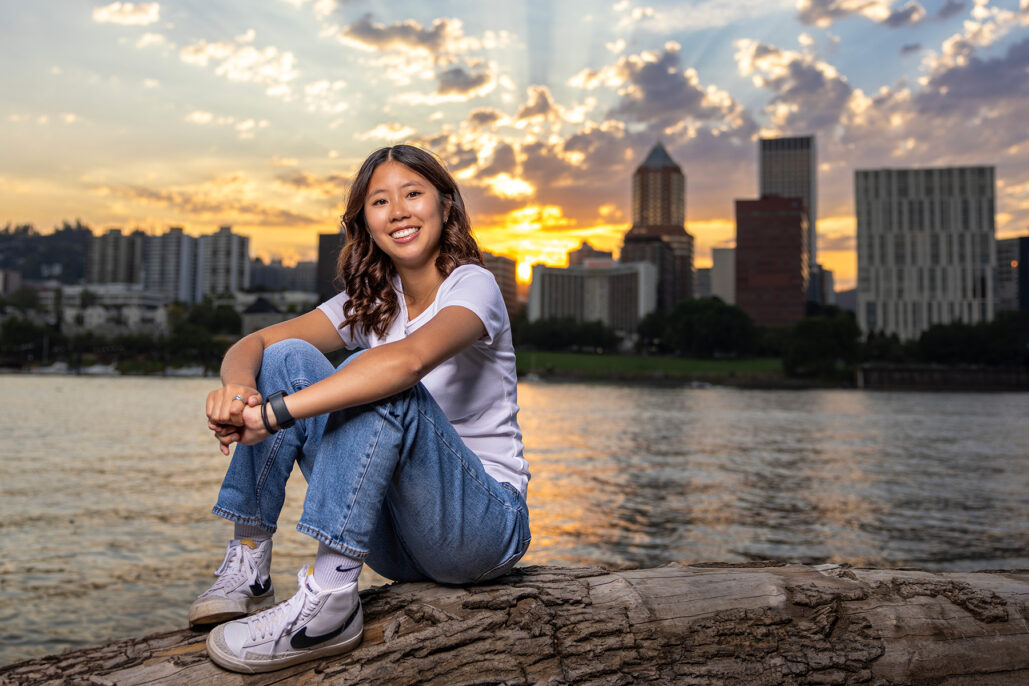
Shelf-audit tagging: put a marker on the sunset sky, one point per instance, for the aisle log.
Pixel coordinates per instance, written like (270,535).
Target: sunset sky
(255,113)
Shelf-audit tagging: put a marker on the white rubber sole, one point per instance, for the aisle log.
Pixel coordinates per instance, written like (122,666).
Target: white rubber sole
(220,655)
(216,610)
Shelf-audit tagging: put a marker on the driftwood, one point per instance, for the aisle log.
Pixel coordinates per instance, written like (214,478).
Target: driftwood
(698,624)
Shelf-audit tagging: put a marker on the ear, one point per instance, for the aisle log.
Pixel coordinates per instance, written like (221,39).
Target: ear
(448,203)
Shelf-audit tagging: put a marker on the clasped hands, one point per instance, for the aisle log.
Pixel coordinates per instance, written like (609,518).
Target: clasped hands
(234,415)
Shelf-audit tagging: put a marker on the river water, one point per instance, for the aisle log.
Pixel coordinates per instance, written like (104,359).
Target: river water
(106,486)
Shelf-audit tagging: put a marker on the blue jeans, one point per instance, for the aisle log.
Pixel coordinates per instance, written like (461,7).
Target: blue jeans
(390,483)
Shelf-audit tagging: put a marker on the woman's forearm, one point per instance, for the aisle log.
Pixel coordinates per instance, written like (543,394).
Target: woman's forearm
(375,374)
(242,362)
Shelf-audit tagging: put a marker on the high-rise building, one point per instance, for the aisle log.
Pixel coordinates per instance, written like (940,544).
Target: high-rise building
(586,253)
(223,263)
(723,274)
(329,247)
(788,167)
(925,244)
(114,258)
(171,266)
(702,282)
(772,259)
(658,234)
(504,271)
(1013,274)
(821,286)
(618,295)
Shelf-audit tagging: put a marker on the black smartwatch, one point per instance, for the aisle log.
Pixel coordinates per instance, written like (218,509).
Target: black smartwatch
(282,416)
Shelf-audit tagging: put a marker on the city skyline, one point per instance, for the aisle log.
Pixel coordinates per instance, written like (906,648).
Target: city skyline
(161,114)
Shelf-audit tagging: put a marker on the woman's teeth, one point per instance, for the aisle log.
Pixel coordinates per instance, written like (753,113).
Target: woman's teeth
(404,233)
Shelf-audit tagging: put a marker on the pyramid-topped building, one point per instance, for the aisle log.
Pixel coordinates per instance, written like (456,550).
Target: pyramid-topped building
(658,234)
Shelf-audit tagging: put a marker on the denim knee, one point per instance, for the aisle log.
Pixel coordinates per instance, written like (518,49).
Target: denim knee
(293,361)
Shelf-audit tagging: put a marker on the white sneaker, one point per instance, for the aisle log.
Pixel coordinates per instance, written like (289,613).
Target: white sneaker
(243,584)
(310,625)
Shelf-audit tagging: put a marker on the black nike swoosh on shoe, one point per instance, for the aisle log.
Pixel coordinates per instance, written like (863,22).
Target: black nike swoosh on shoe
(257,588)
(301,640)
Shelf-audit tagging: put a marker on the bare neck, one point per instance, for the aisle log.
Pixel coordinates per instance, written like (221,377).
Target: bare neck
(420,288)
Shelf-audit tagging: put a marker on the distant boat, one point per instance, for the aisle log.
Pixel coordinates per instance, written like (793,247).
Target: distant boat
(55,368)
(100,370)
(195,370)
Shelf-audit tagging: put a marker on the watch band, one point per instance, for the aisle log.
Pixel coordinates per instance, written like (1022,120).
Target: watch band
(282,416)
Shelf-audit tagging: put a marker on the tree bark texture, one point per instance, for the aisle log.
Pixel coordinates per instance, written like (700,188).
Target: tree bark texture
(760,623)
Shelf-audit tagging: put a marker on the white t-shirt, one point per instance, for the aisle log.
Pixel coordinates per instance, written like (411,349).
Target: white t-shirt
(476,388)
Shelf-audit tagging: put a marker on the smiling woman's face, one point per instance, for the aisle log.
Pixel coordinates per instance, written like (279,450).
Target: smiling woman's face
(404,215)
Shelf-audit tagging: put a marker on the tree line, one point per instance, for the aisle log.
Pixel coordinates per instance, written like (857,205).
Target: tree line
(827,343)
(197,335)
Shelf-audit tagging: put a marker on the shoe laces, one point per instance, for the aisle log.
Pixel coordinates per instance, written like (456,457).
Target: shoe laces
(276,621)
(238,564)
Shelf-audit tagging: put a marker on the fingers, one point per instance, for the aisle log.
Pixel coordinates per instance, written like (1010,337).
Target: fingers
(225,405)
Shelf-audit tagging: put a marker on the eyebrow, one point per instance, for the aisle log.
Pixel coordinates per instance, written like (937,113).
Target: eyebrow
(404,185)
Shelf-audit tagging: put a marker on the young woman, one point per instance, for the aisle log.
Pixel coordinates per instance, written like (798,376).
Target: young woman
(411,448)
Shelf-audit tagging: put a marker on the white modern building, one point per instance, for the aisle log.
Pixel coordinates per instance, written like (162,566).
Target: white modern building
(171,266)
(618,295)
(223,263)
(723,274)
(926,250)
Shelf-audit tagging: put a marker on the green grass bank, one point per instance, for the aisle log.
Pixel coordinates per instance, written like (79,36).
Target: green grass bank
(753,372)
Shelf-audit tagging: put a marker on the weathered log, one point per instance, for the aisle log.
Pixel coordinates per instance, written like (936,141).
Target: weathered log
(686,624)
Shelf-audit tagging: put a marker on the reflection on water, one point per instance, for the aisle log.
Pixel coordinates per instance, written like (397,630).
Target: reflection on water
(106,485)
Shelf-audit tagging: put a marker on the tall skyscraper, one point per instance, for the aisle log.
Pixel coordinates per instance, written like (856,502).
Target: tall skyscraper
(789,168)
(171,266)
(223,263)
(503,270)
(329,247)
(723,274)
(1013,274)
(772,259)
(658,234)
(926,254)
(114,258)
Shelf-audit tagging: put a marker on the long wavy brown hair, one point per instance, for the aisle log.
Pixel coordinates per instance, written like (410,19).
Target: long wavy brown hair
(365,272)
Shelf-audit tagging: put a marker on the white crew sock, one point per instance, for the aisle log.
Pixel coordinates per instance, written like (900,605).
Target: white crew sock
(254,533)
(333,569)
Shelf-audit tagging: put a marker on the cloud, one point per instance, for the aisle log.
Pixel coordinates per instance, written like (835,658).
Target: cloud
(331,186)
(911,13)
(227,199)
(485,116)
(322,8)
(810,95)
(391,132)
(444,36)
(951,8)
(270,67)
(968,87)
(458,81)
(656,91)
(540,105)
(696,16)
(128,14)
(824,12)
(325,96)
(503,161)
(149,39)
(245,128)
(910,48)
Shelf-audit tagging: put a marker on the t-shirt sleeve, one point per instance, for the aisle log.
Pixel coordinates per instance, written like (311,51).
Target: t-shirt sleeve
(476,289)
(333,309)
